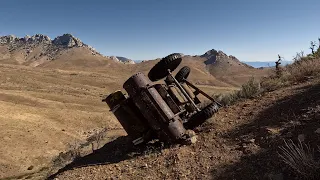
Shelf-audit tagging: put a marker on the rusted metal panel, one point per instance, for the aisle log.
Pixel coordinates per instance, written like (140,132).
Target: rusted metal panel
(115,99)
(152,106)
(135,83)
(188,90)
(177,95)
(167,98)
(176,128)
(127,114)
(163,108)
(203,93)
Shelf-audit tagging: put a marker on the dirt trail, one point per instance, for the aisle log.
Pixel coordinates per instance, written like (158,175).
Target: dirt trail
(240,142)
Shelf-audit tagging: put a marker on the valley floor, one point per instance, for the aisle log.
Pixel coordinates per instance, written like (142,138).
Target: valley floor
(240,142)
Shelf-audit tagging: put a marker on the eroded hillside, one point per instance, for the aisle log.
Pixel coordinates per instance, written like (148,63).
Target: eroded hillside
(240,142)
(51,91)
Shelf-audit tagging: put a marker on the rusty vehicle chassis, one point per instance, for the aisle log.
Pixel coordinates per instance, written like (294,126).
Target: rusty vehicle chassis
(167,112)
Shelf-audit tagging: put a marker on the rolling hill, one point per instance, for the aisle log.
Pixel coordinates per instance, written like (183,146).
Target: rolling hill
(51,91)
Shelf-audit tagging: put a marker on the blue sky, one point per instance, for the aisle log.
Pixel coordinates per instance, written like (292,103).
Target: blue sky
(252,30)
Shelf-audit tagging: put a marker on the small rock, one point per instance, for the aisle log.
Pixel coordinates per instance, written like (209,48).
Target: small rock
(145,166)
(30,167)
(252,140)
(193,139)
(317,131)
(301,137)
(190,133)
(46,141)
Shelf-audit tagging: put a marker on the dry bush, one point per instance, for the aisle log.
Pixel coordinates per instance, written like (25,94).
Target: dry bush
(301,70)
(300,158)
(274,81)
(304,68)
(248,90)
(96,138)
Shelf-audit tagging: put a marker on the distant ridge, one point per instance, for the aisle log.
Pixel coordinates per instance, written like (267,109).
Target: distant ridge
(260,64)
(39,49)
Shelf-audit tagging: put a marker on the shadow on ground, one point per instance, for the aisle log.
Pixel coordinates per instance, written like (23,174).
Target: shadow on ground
(285,119)
(113,152)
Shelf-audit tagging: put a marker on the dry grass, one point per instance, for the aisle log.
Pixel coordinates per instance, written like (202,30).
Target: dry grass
(248,90)
(42,110)
(300,158)
(304,68)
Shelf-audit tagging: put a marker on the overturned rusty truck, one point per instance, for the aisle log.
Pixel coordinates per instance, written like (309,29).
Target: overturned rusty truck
(166,111)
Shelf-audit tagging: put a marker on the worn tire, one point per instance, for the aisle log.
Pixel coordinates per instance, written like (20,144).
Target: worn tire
(160,70)
(201,116)
(183,74)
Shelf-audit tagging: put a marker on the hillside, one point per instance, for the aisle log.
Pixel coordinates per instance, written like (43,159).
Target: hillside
(214,68)
(273,135)
(240,142)
(51,91)
(229,69)
(43,112)
(38,49)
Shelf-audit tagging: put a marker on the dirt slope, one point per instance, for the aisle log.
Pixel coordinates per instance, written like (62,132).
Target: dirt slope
(43,110)
(240,142)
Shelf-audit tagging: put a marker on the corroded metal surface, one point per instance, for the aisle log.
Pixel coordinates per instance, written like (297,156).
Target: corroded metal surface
(127,114)
(167,98)
(153,107)
(162,110)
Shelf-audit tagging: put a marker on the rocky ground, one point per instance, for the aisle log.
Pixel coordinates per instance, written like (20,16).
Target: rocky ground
(240,142)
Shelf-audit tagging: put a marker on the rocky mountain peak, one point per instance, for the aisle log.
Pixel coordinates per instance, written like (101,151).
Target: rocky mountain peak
(209,53)
(67,40)
(214,52)
(121,59)
(214,56)
(41,47)
(13,40)
(8,39)
(38,38)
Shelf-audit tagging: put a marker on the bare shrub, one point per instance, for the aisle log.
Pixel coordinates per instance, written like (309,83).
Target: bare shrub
(96,138)
(304,68)
(274,81)
(298,56)
(248,90)
(300,158)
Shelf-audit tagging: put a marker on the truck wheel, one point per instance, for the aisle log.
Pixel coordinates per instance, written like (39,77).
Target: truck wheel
(201,116)
(160,70)
(183,74)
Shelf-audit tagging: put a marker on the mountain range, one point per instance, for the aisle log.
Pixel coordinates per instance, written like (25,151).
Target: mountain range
(68,52)
(51,91)
(261,64)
